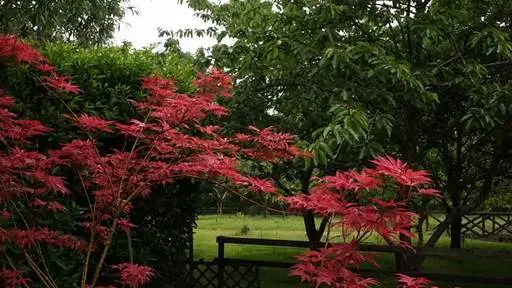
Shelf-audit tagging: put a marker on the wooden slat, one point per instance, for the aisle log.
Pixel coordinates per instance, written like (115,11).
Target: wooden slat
(473,223)
(442,252)
(491,213)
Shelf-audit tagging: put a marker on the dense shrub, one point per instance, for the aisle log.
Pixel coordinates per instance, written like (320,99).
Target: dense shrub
(166,145)
(108,78)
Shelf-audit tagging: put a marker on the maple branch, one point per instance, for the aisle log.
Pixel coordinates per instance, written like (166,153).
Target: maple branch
(250,200)
(83,281)
(130,247)
(38,248)
(323,224)
(108,243)
(43,260)
(130,156)
(89,249)
(38,271)
(76,118)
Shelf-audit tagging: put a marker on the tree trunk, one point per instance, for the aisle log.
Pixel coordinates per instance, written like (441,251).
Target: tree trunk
(219,207)
(409,261)
(309,223)
(314,234)
(438,232)
(220,201)
(266,212)
(456,232)
(456,221)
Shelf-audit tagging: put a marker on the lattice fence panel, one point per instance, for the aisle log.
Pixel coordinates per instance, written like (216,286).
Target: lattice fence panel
(205,275)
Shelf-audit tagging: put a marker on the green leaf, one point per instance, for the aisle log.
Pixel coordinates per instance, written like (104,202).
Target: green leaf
(326,148)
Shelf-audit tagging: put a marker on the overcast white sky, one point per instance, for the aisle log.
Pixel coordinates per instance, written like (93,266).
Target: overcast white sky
(141,29)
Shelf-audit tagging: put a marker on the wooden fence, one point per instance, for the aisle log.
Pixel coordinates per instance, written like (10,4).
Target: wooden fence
(223,262)
(489,225)
(223,274)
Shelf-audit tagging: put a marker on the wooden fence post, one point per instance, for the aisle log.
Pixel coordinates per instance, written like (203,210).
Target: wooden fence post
(220,258)
(400,263)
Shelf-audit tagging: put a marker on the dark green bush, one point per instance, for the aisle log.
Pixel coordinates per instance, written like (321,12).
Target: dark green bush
(107,76)
(110,77)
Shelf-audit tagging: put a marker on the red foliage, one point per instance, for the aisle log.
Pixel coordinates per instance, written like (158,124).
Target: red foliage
(13,278)
(410,282)
(167,143)
(92,123)
(134,275)
(13,48)
(344,197)
(125,225)
(60,83)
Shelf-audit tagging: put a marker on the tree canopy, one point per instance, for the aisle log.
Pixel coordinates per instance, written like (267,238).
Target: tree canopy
(425,80)
(87,22)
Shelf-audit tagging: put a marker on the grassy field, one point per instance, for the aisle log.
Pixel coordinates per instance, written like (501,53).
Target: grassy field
(291,228)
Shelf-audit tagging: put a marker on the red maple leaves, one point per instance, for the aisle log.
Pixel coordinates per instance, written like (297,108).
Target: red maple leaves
(344,198)
(13,48)
(13,278)
(168,142)
(60,83)
(133,275)
(412,282)
(330,266)
(92,123)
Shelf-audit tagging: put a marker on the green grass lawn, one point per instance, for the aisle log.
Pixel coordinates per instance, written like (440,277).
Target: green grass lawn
(291,228)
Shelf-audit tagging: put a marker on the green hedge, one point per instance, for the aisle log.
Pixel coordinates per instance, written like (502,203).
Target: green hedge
(108,78)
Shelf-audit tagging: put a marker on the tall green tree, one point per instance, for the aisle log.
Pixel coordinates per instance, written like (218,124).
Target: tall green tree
(344,75)
(88,22)
(282,58)
(463,49)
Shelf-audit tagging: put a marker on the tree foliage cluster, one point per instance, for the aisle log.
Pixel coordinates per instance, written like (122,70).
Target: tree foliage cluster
(426,80)
(354,204)
(109,77)
(166,142)
(88,22)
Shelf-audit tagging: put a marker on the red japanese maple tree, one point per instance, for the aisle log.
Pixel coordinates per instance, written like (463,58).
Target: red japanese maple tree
(167,143)
(371,202)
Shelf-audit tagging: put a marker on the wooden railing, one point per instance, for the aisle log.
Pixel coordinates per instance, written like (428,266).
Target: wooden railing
(485,224)
(397,251)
